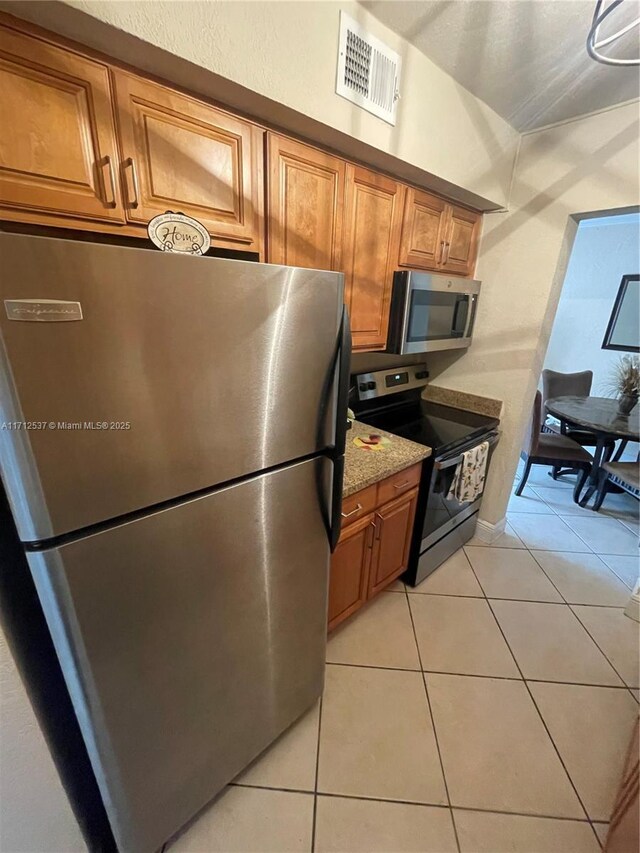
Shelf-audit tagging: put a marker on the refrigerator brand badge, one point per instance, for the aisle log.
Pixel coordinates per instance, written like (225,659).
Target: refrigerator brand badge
(42,310)
(175,232)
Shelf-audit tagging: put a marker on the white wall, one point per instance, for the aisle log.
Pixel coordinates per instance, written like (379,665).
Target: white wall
(35,815)
(287,52)
(590,164)
(605,249)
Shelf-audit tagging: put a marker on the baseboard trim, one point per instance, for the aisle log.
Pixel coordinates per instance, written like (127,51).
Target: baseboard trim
(487,532)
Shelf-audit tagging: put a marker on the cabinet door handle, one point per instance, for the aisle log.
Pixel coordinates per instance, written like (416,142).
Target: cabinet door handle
(134,194)
(109,185)
(353,511)
(401,485)
(371,533)
(378,527)
(447,246)
(442,245)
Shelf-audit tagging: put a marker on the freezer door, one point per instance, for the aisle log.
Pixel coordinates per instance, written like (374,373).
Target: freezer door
(169,374)
(189,639)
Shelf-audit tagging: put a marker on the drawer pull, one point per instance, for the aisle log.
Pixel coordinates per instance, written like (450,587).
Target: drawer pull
(401,485)
(353,511)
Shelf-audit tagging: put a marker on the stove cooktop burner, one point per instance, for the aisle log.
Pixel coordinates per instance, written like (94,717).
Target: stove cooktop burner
(442,428)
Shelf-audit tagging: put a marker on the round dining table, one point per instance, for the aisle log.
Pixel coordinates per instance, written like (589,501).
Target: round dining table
(600,416)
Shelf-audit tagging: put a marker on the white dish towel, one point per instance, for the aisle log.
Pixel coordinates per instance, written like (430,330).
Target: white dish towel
(468,481)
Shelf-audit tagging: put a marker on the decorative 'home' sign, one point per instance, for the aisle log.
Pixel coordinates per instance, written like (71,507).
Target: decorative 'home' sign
(175,232)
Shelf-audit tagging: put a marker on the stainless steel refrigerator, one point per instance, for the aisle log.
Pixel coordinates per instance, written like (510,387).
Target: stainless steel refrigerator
(172,447)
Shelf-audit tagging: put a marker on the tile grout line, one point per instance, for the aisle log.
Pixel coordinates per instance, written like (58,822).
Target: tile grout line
(575,615)
(418,804)
(596,518)
(315,783)
(622,686)
(559,591)
(530,600)
(535,705)
(433,723)
(594,641)
(601,556)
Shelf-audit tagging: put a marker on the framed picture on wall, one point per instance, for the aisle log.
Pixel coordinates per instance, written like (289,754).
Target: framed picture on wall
(623,329)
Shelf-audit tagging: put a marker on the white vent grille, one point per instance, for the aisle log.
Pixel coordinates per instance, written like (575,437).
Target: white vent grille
(368,71)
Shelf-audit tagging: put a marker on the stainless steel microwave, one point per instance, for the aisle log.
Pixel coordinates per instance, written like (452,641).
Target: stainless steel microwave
(431,312)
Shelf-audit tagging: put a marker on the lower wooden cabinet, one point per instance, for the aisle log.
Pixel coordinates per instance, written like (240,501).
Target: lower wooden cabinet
(394,525)
(348,589)
(374,550)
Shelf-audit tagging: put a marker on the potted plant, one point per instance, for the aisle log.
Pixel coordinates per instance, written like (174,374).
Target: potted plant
(625,382)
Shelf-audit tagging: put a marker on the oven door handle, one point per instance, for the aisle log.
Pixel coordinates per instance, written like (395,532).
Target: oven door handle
(447,463)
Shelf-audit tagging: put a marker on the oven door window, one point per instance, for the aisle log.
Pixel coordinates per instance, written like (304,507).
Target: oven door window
(441,509)
(434,316)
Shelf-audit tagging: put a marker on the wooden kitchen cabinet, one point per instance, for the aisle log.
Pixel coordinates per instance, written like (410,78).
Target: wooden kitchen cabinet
(58,154)
(390,552)
(184,155)
(438,236)
(373,549)
(349,578)
(461,236)
(423,227)
(305,201)
(373,220)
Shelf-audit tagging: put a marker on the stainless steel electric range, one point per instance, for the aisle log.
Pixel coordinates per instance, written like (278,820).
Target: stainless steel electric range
(392,400)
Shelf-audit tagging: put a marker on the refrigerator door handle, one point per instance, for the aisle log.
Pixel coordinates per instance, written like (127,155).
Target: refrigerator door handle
(335,524)
(344,375)
(342,402)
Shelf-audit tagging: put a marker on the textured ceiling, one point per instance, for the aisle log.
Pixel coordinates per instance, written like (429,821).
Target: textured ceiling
(525,58)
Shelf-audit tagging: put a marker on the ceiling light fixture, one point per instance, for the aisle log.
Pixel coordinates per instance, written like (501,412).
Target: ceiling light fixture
(593,45)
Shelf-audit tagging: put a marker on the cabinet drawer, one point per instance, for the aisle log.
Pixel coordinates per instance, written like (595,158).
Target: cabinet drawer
(399,483)
(355,506)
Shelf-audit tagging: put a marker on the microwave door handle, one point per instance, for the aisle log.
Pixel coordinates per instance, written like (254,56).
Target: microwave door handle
(456,311)
(470,315)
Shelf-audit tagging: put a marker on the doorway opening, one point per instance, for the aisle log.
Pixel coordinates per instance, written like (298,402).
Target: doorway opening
(593,552)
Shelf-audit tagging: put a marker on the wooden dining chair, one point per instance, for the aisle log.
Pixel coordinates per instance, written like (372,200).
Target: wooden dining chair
(542,448)
(624,474)
(556,384)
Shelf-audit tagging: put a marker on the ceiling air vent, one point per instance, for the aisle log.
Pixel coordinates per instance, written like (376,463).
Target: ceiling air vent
(368,71)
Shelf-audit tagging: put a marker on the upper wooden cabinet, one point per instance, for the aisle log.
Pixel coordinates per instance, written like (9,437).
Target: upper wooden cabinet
(373,219)
(462,233)
(422,230)
(305,205)
(58,151)
(437,235)
(184,155)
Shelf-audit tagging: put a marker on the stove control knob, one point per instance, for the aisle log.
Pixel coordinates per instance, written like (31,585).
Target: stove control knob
(362,386)
(371,386)
(422,374)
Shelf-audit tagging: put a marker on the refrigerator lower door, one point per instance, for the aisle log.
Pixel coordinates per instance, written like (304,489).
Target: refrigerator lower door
(189,639)
(170,374)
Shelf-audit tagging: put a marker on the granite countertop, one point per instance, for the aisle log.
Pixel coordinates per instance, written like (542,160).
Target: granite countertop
(364,467)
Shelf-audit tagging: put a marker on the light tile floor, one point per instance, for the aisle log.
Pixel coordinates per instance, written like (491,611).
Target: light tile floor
(488,710)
